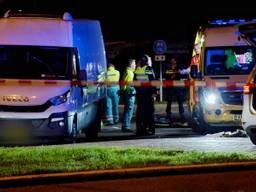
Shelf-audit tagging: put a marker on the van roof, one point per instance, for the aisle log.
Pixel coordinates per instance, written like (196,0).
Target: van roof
(20,13)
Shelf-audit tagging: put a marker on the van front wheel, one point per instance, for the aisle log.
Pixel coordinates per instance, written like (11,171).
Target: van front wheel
(197,121)
(95,126)
(252,137)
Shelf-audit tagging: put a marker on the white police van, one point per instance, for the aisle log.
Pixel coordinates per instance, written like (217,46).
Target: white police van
(52,73)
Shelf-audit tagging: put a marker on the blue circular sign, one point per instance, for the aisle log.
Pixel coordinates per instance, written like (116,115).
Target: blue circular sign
(159,47)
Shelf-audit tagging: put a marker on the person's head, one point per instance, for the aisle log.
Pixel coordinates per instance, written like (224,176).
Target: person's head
(146,60)
(132,63)
(138,63)
(173,61)
(111,65)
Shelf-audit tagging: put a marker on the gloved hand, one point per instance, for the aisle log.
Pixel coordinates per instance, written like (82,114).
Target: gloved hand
(120,92)
(154,96)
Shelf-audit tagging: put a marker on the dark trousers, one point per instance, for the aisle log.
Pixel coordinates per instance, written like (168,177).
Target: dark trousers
(177,92)
(144,114)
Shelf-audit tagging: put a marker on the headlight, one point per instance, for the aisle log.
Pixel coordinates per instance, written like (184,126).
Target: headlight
(211,97)
(60,99)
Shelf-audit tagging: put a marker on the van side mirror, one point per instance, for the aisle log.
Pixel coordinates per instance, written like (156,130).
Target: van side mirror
(193,71)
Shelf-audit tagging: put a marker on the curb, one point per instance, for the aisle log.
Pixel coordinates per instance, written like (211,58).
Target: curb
(15,181)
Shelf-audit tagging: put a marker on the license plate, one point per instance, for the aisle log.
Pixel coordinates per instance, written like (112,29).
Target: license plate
(237,117)
(15,131)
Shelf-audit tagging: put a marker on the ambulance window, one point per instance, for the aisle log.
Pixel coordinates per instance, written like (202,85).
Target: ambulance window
(233,60)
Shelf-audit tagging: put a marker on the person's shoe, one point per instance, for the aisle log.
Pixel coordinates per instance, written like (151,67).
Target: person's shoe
(150,132)
(127,130)
(171,124)
(109,123)
(183,124)
(182,118)
(139,132)
(168,117)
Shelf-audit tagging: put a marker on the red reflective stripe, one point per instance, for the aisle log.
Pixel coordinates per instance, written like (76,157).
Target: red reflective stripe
(189,83)
(25,82)
(75,83)
(210,84)
(167,83)
(50,82)
(123,83)
(146,84)
(231,85)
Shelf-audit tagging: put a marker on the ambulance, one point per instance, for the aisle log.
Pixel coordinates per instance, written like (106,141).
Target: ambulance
(220,65)
(52,73)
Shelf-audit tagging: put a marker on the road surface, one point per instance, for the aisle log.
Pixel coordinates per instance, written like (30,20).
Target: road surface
(235,181)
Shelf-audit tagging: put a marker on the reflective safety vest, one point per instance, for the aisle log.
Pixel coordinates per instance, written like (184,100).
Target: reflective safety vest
(172,73)
(128,77)
(140,73)
(113,76)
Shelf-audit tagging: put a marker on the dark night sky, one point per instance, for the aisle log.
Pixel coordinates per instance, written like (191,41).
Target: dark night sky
(137,20)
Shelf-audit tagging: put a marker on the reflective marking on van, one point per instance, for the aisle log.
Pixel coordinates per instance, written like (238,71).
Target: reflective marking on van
(26,82)
(57,119)
(210,83)
(50,82)
(2,81)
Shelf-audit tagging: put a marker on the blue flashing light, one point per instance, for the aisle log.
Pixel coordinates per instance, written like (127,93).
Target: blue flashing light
(229,21)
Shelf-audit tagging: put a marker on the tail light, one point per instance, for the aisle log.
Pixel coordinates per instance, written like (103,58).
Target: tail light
(248,88)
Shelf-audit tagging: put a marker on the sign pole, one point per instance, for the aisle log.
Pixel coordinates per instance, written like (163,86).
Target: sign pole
(161,80)
(160,48)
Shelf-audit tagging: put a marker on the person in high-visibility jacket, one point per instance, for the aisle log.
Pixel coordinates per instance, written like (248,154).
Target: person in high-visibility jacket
(145,98)
(129,93)
(112,113)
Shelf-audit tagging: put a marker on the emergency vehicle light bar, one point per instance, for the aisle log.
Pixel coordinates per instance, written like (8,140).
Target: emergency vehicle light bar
(230,21)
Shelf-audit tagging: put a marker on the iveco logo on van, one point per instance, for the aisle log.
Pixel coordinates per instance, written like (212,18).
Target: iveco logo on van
(15,98)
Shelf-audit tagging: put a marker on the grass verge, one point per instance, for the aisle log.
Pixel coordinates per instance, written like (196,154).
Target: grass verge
(34,160)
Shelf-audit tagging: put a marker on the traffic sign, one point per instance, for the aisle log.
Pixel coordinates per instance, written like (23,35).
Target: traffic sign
(159,57)
(159,47)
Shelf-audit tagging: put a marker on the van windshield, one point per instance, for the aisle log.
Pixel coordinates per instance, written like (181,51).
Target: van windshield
(237,60)
(33,62)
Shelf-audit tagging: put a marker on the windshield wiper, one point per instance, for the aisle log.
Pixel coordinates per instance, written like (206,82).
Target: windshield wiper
(42,62)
